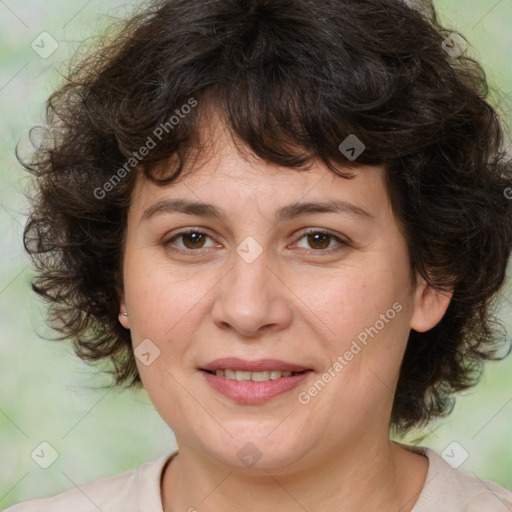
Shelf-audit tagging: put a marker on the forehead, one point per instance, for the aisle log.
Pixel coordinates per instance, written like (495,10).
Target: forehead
(222,169)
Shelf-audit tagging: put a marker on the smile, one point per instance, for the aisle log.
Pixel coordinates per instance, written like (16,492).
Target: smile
(254,376)
(252,388)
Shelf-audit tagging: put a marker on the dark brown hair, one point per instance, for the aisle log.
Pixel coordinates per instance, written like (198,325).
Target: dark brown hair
(293,79)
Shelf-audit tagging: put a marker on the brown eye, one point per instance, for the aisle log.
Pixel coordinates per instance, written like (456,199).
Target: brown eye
(191,240)
(320,241)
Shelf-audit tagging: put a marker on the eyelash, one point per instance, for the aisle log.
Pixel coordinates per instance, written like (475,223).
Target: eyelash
(341,242)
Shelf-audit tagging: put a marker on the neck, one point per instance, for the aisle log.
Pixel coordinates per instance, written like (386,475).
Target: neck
(381,476)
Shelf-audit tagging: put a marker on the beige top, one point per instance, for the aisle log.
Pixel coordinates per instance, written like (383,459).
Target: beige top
(138,490)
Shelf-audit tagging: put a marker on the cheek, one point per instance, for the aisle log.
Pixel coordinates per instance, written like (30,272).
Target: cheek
(361,321)
(361,314)
(165,304)
(354,299)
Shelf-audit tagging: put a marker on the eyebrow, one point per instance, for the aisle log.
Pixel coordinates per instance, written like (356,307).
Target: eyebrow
(285,213)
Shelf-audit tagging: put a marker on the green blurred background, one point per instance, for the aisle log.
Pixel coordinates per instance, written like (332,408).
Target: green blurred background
(47,394)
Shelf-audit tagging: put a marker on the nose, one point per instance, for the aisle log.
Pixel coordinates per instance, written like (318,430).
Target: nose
(252,299)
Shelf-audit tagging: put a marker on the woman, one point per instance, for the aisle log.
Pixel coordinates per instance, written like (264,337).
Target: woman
(287,220)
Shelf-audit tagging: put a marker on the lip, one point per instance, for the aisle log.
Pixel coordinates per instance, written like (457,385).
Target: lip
(252,392)
(259,365)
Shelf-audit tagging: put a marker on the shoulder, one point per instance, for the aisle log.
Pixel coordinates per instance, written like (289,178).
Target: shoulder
(450,490)
(133,490)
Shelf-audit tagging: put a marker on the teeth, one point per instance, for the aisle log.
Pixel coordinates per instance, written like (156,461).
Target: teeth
(242,375)
(254,376)
(260,376)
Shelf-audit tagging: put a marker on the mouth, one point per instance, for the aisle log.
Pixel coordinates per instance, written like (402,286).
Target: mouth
(262,376)
(253,382)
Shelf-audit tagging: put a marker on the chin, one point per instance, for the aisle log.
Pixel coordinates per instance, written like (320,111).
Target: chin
(257,452)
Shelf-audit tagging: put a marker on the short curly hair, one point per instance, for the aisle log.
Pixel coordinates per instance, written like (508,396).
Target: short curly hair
(293,79)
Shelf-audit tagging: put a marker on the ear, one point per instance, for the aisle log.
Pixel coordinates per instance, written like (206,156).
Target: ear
(430,305)
(123,320)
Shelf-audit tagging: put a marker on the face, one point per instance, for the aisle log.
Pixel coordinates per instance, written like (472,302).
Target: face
(270,287)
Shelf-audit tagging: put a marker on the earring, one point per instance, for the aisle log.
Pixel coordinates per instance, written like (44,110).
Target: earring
(124,314)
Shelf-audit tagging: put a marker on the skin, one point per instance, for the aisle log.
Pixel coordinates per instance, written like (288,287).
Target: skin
(209,302)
